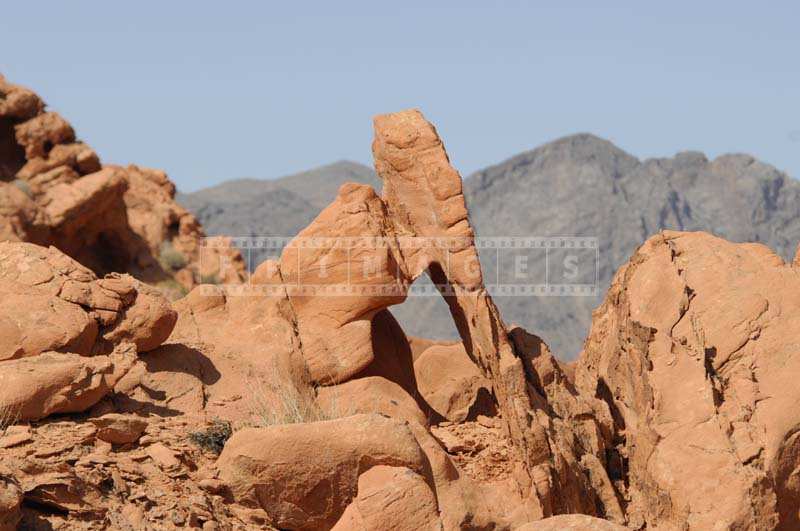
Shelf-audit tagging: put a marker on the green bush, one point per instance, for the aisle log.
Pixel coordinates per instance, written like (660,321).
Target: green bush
(171,258)
(214,437)
(209,279)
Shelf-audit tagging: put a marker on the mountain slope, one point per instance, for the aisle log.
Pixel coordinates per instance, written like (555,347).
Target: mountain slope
(584,186)
(280,207)
(580,185)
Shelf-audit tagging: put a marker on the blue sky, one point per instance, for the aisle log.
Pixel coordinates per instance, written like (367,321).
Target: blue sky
(211,91)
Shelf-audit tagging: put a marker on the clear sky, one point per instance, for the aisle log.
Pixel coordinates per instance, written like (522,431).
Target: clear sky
(211,91)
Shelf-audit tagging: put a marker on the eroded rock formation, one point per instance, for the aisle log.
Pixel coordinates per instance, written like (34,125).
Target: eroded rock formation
(680,412)
(66,337)
(282,470)
(54,191)
(68,309)
(694,352)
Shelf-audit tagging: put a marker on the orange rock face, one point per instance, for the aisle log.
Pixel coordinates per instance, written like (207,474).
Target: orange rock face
(66,337)
(391,498)
(694,352)
(344,339)
(68,309)
(451,383)
(10,501)
(281,469)
(54,191)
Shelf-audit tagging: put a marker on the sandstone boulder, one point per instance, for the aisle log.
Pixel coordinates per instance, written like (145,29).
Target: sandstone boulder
(59,383)
(371,394)
(694,353)
(149,319)
(52,302)
(119,429)
(229,356)
(336,330)
(391,498)
(451,382)
(282,470)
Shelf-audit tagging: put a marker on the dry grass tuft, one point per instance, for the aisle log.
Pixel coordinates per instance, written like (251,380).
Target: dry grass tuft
(8,417)
(278,401)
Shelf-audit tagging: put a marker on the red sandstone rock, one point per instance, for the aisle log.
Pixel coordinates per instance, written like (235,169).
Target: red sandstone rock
(572,522)
(680,411)
(282,470)
(336,330)
(110,219)
(423,197)
(694,352)
(119,429)
(451,382)
(59,383)
(53,303)
(10,501)
(391,498)
(228,356)
(371,394)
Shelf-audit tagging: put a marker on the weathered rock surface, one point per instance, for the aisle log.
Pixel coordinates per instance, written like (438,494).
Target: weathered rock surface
(71,479)
(391,498)
(371,394)
(694,352)
(572,522)
(451,382)
(229,356)
(423,196)
(66,337)
(282,470)
(52,382)
(52,302)
(10,501)
(679,414)
(55,191)
(337,335)
(336,330)
(119,429)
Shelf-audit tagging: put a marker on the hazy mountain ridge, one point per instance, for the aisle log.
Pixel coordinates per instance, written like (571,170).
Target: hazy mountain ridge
(280,207)
(580,185)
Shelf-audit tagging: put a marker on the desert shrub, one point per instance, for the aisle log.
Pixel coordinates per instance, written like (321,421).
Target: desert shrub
(172,289)
(8,417)
(214,437)
(23,186)
(209,279)
(278,401)
(171,258)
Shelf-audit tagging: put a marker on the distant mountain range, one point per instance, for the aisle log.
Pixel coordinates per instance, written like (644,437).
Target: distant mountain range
(580,185)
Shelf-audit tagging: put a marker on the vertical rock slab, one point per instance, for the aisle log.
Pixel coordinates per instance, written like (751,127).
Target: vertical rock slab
(424,199)
(423,194)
